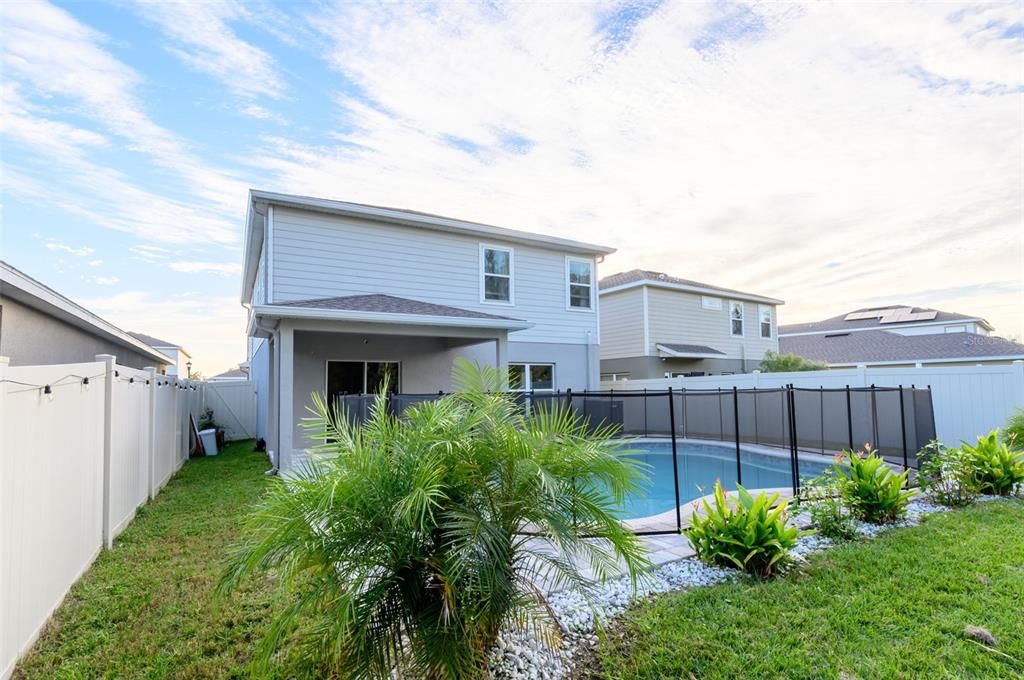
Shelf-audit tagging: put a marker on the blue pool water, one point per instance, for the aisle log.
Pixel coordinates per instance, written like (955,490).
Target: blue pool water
(699,466)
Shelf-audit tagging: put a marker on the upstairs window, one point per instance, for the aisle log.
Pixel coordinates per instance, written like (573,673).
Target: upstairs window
(710,302)
(736,318)
(496,274)
(766,320)
(580,275)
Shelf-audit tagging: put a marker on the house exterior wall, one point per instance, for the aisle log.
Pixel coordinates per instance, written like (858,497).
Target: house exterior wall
(259,372)
(318,255)
(426,364)
(30,338)
(629,345)
(678,317)
(622,324)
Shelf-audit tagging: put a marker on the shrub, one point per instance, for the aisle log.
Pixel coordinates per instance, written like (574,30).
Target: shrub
(821,497)
(773,362)
(870,488)
(1013,433)
(947,475)
(406,543)
(997,469)
(748,534)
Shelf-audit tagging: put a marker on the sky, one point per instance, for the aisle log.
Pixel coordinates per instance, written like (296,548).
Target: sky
(834,155)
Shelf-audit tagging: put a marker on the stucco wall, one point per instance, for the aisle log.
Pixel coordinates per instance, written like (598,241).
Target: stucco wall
(32,338)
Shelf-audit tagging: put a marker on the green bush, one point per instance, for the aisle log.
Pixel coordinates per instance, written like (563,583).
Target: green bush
(997,469)
(947,475)
(1013,433)
(773,362)
(870,488)
(822,499)
(406,544)
(748,534)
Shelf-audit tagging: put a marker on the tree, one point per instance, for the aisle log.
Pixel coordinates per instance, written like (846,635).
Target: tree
(773,362)
(411,541)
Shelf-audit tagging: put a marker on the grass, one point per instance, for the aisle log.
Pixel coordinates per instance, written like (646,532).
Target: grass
(146,609)
(892,607)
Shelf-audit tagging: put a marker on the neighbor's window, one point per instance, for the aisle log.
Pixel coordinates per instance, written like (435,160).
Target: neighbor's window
(496,269)
(526,377)
(736,317)
(580,275)
(766,320)
(710,302)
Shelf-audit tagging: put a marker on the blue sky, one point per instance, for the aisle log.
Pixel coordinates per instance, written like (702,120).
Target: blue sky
(832,157)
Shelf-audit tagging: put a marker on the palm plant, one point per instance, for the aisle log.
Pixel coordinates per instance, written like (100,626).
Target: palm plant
(1013,433)
(411,541)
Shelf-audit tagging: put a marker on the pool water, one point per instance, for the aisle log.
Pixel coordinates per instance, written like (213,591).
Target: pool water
(699,466)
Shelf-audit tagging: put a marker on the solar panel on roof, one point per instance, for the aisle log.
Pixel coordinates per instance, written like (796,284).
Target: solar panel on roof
(907,315)
(860,316)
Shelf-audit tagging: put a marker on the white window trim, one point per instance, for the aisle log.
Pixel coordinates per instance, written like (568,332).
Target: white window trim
(568,286)
(398,379)
(743,319)
(760,321)
(511,275)
(526,376)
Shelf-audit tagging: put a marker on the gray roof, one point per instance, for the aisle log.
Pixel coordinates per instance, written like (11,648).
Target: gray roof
(389,304)
(877,346)
(637,275)
(151,341)
(689,349)
(839,323)
(234,373)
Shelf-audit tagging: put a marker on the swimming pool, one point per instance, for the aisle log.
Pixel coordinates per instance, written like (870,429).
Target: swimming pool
(699,466)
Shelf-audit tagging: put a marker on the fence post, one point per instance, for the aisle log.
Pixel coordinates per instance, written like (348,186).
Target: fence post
(151,444)
(108,421)
(645,412)
(568,410)
(874,418)
(675,458)
(903,432)
(4,457)
(862,374)
(849,417)
(736,421)
(796,439)
(757,378)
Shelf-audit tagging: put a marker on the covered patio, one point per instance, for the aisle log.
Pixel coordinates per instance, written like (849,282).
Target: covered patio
(352,344)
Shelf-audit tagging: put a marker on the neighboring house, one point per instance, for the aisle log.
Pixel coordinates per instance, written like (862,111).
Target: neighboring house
(898,335)
(38,326)
(342,296)
(654,326)
(240,372)
(182,360)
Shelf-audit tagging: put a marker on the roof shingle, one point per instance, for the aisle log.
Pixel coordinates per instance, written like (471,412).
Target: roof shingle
(839,323)
(877,346)
(390,304)
(636,275)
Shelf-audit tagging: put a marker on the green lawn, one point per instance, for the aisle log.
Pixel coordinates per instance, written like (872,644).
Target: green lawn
(146,609)
(893,607)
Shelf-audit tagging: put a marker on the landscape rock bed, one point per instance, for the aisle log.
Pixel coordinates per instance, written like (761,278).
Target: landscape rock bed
(522,655)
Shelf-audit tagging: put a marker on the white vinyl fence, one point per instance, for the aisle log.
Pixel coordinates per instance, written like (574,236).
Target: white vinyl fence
(82,446)
(233,403)
(968,400)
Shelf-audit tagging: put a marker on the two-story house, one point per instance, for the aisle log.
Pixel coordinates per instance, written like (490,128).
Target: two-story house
(343,295)
(654,325)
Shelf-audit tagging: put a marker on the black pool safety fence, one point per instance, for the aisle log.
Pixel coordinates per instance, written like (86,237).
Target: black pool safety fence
(804,425)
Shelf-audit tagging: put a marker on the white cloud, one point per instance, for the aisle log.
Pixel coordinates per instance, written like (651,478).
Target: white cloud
(795,136)
(260,113)
(48,53)
(218,340)
(95,263)
(150,253)
(221,268)
(205,42)
(54,244)
(101,280)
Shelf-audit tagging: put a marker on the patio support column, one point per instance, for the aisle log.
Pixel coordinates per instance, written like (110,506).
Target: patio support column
(501,353)
(273,430)
(286,420)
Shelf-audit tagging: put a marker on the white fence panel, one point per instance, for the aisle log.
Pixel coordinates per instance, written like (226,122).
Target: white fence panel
(967,400)
(51,493)
(166,458)
(234,407)
(129,446)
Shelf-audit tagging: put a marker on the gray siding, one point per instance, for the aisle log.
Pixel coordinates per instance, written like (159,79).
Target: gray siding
(318,255)
(30,337)
(622,324)
(259,370)
(677,317)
